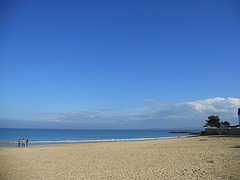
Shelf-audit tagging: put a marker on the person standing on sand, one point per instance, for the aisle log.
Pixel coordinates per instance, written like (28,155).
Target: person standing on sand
(27,143)
(19,142)
(23,143)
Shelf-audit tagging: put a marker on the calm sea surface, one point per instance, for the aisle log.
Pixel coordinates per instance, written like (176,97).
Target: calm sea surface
(9,137)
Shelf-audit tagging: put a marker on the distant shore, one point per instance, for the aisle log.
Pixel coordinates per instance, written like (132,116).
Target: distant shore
(202,157)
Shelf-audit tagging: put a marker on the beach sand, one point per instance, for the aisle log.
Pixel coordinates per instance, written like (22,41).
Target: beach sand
(206,157)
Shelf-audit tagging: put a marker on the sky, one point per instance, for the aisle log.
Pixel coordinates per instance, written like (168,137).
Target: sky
(118,64)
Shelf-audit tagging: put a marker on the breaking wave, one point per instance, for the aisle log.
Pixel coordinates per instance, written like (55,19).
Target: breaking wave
(87,141)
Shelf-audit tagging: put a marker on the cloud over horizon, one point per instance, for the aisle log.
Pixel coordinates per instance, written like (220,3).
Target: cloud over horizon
(191,113)
(150,115)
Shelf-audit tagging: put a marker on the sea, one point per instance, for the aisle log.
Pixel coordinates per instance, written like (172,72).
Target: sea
(10,136)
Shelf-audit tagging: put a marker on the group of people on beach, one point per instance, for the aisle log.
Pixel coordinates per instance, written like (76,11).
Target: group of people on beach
(23,143)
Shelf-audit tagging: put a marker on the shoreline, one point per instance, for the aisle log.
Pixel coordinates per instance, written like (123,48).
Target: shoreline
(198,157)
(14,144)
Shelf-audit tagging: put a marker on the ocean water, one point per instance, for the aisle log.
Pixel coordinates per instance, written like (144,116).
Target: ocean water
(9,137)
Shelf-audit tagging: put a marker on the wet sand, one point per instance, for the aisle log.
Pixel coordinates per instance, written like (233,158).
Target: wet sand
(206,157)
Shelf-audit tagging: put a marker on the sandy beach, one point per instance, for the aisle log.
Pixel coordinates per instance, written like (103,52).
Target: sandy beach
(207,157)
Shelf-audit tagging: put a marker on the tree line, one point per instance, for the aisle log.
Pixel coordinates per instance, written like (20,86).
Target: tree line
(214,121)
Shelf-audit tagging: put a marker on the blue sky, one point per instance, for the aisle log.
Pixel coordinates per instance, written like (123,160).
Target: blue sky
(122,64)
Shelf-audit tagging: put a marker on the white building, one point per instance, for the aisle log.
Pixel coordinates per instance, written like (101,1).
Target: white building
(239,116)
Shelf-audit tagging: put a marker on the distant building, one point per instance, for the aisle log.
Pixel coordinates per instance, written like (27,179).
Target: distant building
(231,130)
(239,116)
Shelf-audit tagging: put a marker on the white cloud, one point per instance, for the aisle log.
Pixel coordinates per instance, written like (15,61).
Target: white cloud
(215,105)
(61,121)
(194,112)
(150,100)
(187,113)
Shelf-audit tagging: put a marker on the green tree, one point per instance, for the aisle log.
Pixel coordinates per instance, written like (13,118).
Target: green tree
(225,124)
(213,121)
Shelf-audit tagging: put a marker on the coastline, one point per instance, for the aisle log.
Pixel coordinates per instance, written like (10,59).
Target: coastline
(203,157)
(95,141)
(34,143)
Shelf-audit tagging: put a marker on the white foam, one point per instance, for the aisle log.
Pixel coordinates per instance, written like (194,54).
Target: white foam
(100,140)
(92,140)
